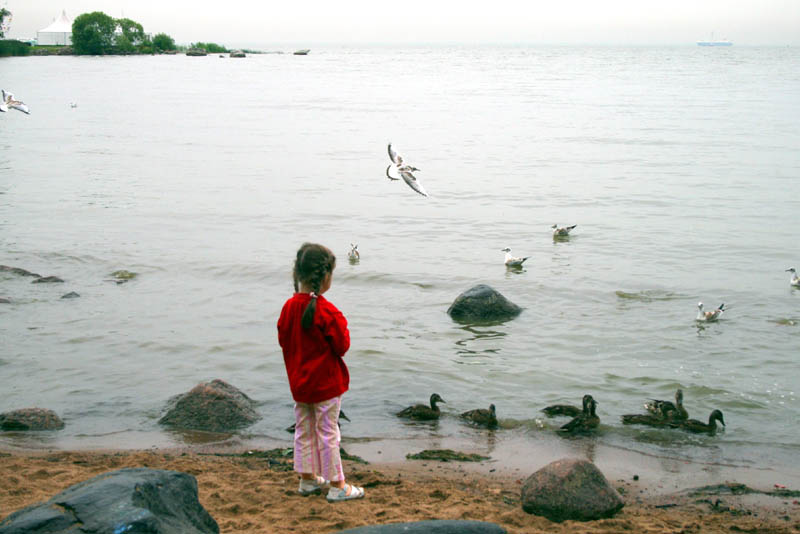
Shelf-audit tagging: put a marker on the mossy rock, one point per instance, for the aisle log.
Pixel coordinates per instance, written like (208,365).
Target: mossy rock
(122,274)
(446,455)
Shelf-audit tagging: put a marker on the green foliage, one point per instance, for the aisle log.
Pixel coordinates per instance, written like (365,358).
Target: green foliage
(132,31)
(14,48)
(211,48)
(4,13)
(93,33)
(162,41)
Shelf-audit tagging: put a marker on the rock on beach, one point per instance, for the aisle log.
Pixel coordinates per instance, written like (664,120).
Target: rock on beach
(124,501)
(570,489)
(30,419)
(214,406)
(482,304)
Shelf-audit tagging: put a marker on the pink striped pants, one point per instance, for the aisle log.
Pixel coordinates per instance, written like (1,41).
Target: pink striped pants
(317,437)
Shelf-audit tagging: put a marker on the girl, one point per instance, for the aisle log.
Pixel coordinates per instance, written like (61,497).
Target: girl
(314,337)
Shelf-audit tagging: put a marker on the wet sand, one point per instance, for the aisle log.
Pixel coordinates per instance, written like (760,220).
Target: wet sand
(248,491)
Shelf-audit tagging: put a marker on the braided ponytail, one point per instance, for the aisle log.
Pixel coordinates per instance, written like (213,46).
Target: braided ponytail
(314,262)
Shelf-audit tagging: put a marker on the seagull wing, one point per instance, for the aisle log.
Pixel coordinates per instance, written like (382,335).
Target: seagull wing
(413,183)
(394,157)
(20,106)
(3,107)
(389,176)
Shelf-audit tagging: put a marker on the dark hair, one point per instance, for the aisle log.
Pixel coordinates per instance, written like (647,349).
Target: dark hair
(313,263)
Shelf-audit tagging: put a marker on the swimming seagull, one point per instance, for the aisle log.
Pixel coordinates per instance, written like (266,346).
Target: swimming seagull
(563,231)
(709,316)
(794,281)
(512,261)
(405,172)
(353,255)
(9,102)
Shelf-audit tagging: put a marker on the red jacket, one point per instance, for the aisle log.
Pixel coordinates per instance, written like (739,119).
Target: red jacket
(313,357)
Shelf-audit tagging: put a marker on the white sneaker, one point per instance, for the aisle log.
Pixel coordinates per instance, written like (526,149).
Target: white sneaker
(309,487)
(340,494)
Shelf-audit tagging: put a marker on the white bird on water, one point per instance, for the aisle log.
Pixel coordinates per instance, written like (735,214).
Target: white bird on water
(404,170)
(794,281)
(708,316)
(353,255)
(512,261)
(563,231)
(8,101)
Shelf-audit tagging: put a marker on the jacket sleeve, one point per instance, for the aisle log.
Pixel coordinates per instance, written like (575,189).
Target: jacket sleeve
(336,332)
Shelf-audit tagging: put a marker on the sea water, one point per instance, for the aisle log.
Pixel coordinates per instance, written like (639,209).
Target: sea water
(680,167)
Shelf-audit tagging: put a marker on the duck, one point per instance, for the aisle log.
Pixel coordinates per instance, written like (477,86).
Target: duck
(567,410)
(562,231)
(644,419)
(342,415)
(668,410)
(482,416)
(353,255)
(585,421)
(709,316)
(422,412)
(693,425)
(794,281)
(511,261)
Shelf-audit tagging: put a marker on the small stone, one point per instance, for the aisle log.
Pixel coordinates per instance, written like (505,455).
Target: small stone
(70,295)
(48,280)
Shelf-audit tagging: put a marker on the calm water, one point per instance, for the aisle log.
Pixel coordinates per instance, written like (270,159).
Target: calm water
(679,165)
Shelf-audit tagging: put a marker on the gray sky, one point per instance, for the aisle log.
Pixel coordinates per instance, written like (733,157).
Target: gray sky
(253,23)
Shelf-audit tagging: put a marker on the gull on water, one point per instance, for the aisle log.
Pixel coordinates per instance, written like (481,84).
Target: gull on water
(709,316)
(404,170)
(8,101)
(794,281)
(512,261)
(563,231)
(353,255)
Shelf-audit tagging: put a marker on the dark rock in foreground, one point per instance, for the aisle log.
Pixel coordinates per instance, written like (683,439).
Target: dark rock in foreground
(430,527)
(30,419)
(48,280)
(214,406)
(482,304)
(126,501)
(570,489)
(17,270)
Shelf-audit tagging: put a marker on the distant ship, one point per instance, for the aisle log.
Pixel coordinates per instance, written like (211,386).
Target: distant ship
(714,42)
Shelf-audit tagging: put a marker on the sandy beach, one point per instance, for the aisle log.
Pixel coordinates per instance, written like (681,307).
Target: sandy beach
(254,491)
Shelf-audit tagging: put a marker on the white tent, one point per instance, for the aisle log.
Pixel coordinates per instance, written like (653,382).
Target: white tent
(58,33)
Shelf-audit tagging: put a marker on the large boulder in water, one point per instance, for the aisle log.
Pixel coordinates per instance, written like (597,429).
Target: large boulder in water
(214,406)
(570,489)
(482,304)
(125,501)
(436,526)
(30,419)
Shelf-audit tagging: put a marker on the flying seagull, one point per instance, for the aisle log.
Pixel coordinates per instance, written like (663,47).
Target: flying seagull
(405,172)
(9,102)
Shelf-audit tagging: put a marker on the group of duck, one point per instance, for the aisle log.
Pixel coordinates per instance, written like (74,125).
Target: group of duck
(660,414)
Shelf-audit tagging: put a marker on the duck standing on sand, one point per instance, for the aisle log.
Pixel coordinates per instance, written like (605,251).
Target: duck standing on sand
(482,416)
(421,412)
(586,421)
(794,281)
(708,316)
(693,425)
(567,410)
(511,261)
(668,410)
(563,231)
